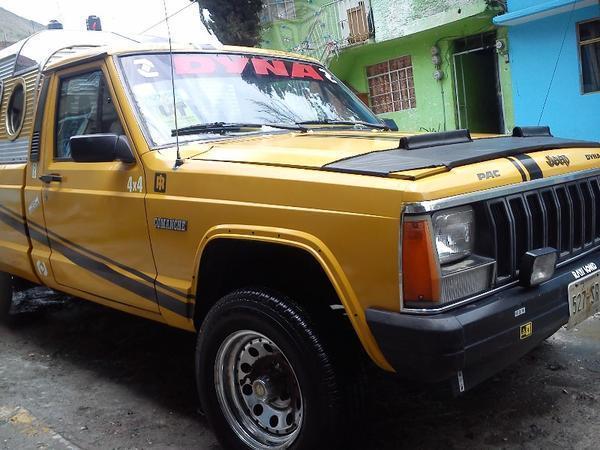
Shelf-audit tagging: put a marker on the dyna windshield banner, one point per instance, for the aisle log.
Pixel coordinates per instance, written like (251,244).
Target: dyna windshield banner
(237,65)
(205,65)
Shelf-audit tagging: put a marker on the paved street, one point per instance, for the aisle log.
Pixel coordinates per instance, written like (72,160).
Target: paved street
(76,375)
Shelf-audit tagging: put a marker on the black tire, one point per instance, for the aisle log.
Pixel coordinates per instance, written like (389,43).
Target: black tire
(6,295)
(323,387)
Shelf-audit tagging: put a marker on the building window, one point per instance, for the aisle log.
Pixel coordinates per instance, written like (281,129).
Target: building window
(589,51)
(358,23)
(391,85)
(278,10)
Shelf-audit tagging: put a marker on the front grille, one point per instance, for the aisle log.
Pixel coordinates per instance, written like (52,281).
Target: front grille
(565,216)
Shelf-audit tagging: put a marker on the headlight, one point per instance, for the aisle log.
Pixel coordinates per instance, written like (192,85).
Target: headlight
(453,233)
(439,264)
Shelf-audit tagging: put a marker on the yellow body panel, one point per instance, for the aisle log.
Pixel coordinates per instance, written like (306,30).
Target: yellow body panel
(14,243)
(91,237)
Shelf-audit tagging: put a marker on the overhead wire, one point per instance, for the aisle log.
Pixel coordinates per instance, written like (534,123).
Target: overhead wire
(167,17)
(562,45)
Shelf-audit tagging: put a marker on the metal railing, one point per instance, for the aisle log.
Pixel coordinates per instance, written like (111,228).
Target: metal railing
(336,25)
(277,10)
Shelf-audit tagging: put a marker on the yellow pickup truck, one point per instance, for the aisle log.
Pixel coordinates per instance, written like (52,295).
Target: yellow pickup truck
(249,197)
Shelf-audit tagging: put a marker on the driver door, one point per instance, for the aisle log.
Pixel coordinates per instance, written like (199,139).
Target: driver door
(94,212)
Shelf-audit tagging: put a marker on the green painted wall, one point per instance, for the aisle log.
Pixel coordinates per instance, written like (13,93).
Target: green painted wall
(407,27)
(436,102)
(401,18)
(288,34)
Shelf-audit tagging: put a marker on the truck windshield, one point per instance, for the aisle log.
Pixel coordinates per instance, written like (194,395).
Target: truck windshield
(232,88)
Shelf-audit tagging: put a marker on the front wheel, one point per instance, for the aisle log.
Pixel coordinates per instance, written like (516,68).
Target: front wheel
(265,379)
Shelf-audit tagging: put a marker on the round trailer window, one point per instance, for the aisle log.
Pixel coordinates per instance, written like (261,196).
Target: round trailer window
(15,112)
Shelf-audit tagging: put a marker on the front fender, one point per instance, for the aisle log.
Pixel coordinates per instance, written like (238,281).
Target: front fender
(326,259)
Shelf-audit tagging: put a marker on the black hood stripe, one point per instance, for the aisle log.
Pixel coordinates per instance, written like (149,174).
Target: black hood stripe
(532,167)
(519,168)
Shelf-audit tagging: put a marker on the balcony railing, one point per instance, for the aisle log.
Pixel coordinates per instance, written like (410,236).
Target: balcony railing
(277,10)
(336,25)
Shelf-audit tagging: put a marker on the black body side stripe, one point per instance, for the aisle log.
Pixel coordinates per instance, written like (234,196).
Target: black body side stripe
(98,268)
(532,167)
(121,266)
(519,168)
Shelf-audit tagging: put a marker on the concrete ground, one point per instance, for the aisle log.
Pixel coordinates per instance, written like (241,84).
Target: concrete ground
(76,375)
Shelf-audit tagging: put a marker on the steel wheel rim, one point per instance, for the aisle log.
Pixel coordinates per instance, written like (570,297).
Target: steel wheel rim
(258,390)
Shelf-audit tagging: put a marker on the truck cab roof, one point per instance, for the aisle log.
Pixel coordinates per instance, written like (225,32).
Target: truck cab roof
(52,49)
(50,46)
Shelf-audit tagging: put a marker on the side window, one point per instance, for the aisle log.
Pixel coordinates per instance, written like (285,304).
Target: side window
(84,107)
(15,112)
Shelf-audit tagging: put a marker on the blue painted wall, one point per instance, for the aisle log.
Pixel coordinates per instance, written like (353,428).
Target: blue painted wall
(534,51)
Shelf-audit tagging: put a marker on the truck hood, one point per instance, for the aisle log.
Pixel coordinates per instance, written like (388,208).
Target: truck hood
(374,152)
(313,150)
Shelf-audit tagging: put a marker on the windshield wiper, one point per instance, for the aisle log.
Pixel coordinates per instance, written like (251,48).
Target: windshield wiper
(223,127)
(345,122)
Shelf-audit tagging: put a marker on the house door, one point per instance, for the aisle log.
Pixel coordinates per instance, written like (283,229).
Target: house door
(478,89)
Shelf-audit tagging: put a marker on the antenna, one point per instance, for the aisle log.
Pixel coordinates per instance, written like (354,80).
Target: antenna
(178,161)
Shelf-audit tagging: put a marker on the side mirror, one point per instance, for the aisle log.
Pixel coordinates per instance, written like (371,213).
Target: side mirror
(101,148)
(391,124)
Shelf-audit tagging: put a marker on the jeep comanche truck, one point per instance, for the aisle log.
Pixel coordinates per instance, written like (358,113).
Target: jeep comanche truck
(248,196)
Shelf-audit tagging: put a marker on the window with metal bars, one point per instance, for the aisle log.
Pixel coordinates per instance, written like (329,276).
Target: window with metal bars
(277,10)
(391,85)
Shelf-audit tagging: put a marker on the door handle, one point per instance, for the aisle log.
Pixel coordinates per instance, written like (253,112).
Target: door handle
(51,178)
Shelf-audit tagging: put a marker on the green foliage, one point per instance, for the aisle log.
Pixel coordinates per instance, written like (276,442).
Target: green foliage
(234,22)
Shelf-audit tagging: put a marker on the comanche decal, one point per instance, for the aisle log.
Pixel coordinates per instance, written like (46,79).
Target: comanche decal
(163,223)
(135,281)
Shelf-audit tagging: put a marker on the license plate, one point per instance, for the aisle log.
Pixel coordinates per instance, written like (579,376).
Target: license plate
(584,299)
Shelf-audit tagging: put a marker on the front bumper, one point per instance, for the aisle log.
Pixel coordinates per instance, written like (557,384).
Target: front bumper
(471,343)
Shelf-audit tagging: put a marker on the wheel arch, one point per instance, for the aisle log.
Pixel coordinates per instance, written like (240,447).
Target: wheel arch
(308,249)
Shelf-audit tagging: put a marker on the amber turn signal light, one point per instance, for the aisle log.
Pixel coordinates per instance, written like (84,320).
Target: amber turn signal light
(420,275)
